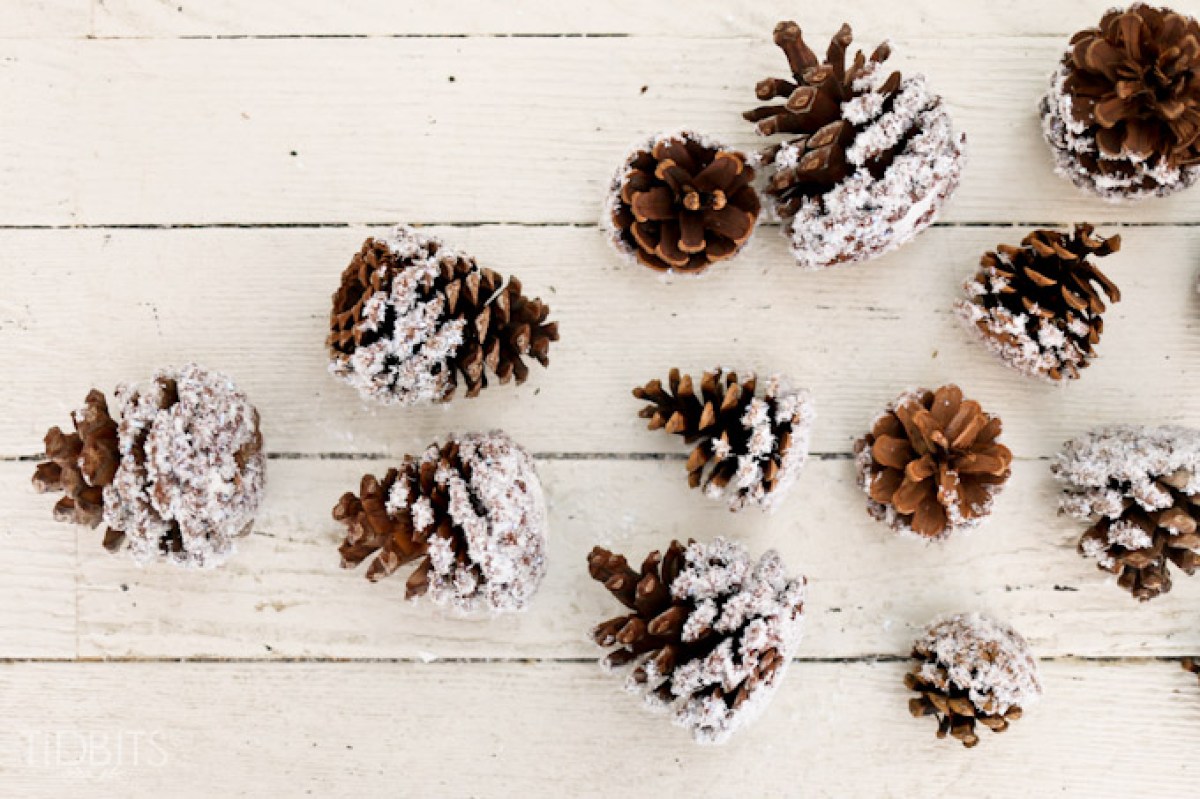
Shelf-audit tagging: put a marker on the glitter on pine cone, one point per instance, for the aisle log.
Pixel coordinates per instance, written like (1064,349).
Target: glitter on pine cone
(709,634)
(469,513)
(972,670)
(750,440)
(681,203)
(874,156)
(1038,306)
(1123,111)
(412,317)
(932,464)
(178,477)
(1138,488)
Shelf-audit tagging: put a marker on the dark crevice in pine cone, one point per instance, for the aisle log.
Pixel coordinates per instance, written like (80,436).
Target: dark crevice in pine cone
(956,716)
(81,464)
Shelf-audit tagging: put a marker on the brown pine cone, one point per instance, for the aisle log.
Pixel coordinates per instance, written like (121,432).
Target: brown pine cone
(81,464)
(750,445)
(709,634)
(932,464)
(469,513)
(1190,664)
(1038,306)
(681,203)
(1138,486)
(412,315)
(1123,111)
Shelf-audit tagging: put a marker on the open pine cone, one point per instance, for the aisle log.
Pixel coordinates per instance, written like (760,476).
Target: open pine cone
(750,445)
(1123,111)
(932,464)
(971,669)
(1038,306)
(681,203)
(874,155)
(469,513)
(179,477)
(1138,487)
(412,316)
(709,632)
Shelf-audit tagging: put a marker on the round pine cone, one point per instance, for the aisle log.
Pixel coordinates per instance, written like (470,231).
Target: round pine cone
(970,669)
(932,464)
(180,476)
(1123,111)
(412,315)
(1038,306)
(874,159)
(682,202)
(469,512)
(750,445)
(709,632)
(1138,486)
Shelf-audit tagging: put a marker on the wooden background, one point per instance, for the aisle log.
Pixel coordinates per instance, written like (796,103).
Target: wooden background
(186,179)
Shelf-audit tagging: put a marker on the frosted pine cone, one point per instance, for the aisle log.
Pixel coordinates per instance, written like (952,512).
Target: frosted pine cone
(179,477)
(709,634)
(469,513)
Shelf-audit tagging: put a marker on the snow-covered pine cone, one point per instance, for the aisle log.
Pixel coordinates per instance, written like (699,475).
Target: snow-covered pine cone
(469,513)
(750,443)
(177,475)
(875,158)
(709,632)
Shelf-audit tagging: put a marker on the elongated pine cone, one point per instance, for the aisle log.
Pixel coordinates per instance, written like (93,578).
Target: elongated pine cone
(1038,306)
(972,670)
(709,632)
(469,513)
(412,317)
(1138,487)
(932,463)
(682,202)
(874,155)
(750,444)
(1123,111)
(178,477)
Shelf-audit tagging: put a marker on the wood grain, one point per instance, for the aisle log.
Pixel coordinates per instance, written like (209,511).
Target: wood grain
(46,19)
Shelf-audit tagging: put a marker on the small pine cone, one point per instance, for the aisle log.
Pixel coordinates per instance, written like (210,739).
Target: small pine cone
(1138,486)
(971,669)
(874,159)
(1038,306)
(179,477)
(1123,111)
(681,202)
(469,513)
(709,634)
(932,464)
(750,445)
(412,315)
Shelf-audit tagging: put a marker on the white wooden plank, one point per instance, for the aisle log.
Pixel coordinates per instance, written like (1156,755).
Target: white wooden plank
(46,19)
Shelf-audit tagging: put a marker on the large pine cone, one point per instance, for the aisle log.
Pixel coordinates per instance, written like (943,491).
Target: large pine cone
(1038,306)
(932,464)
(750,445)
(875,157)
(1139,487)
(709,632)
(681,203)
(469,512)
(412,315)
(1123,111)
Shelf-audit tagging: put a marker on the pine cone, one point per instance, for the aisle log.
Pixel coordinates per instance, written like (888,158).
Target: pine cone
(1139,486)
(468,512)
(710,632)
(1123,111)
(875,159)
(751,447)
(681,203)
(1190,664)
(932,464)
(180,477)
(972,669)
(411,315)
(1038,306)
